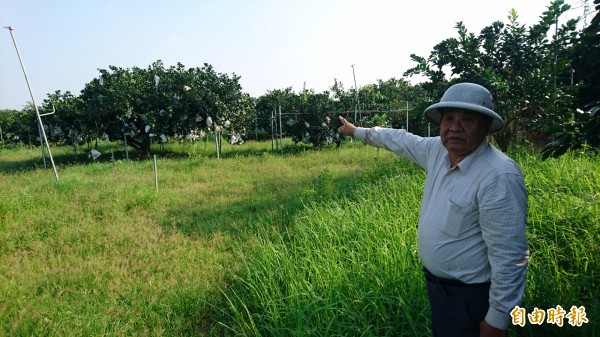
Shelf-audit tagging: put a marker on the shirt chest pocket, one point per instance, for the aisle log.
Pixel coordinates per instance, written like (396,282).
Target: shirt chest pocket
(460,219)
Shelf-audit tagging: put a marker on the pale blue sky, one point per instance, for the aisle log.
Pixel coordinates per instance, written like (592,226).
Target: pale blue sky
(270,44)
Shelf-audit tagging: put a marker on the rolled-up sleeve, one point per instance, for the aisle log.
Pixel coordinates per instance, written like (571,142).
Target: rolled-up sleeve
(503,219)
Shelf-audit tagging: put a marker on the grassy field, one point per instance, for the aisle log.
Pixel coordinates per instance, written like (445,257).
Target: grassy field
(256,243)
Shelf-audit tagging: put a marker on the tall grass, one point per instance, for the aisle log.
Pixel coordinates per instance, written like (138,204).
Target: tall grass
(564,239)
(350,266)
(257,243)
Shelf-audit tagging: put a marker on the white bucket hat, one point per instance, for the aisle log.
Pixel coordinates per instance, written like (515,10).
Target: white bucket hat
(467,96)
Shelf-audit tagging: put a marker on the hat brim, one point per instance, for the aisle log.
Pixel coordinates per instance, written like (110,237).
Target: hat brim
(434,113)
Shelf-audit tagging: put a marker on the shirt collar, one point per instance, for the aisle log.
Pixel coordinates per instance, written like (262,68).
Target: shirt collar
(466,163)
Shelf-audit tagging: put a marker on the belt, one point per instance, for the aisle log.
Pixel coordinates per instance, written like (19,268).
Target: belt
(444,281)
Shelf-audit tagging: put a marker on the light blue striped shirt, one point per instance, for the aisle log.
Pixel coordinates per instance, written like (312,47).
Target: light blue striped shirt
(473,216)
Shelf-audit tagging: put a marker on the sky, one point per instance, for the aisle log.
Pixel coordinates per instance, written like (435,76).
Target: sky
(270,44)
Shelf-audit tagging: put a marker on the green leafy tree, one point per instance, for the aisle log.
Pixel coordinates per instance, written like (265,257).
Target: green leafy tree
(306,116)
(6,121)
(21,126)
(342,100)
(10,125)
(397,95)
(389,97)
(315,125)
(584,131)
(65,124)
(157,103)
(27,126)
(267,107)
(524,69)
(586,62)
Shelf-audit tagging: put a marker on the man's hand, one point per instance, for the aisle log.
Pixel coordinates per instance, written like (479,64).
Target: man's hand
(347,128)
(486,330)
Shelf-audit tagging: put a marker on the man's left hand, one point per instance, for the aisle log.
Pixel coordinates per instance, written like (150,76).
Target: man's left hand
(486,330)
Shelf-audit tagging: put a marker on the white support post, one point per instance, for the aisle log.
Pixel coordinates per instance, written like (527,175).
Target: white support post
(217,140)
(155,174)
(37,113)
(273,131)
(280,131)
(126,150)
(406,116)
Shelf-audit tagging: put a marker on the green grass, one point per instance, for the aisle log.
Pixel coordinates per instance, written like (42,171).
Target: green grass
(350,266)
(257,243)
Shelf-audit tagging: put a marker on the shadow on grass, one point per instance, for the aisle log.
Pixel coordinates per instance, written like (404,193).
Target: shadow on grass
(276,203)
(272,213)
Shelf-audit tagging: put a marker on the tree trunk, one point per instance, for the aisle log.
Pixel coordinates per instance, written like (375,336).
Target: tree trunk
(143,145)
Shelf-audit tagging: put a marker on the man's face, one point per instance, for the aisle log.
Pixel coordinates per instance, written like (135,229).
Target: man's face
(462,131)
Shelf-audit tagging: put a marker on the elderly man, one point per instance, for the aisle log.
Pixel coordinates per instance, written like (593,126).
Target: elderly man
(473,215)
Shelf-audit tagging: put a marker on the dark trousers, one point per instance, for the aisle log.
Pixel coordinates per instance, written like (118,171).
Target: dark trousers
(457,308)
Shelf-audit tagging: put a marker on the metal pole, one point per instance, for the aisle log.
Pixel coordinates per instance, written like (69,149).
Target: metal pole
(280,130)
(42,139)
(356,92)
(126,150)
(276,134)
(406,116)
(272,131)
(217,139)
(155,174)
(42,146)
(37,113)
